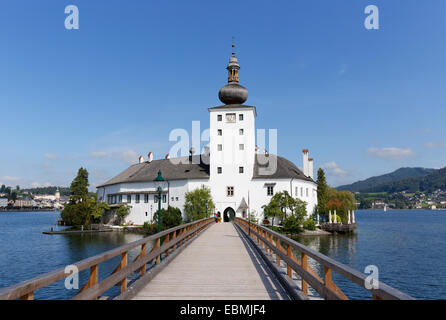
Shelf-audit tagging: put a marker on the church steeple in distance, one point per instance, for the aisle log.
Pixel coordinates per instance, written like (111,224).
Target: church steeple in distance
(233,92)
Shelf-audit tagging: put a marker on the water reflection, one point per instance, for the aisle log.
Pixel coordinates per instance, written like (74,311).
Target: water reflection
(341,247)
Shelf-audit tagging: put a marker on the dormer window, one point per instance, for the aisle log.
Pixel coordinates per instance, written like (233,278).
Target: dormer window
(219,117)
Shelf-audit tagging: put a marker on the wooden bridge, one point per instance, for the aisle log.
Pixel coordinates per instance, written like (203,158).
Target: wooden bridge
(205,260)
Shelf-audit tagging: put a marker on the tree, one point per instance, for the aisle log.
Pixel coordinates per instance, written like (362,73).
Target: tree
(17,188)
(195,205)
(83,209)
(3,189)
(322,193)
(79,186)
(341,201)
(123,211)
(170,218)
(283,206)
(98,209)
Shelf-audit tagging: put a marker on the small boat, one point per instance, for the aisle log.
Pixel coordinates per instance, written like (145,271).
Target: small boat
(385,208)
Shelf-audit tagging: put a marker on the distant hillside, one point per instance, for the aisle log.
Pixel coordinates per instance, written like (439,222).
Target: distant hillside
(389,181)
(429,183)
(48,190)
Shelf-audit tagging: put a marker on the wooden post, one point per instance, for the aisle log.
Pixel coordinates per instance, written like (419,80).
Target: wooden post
(290,255)
(305,266)
(327,278)
(157,245)
(174,236)
(143,253)
(28,296)
(271,241)
(124,257)
(279,247)
(166,241)
(375,297)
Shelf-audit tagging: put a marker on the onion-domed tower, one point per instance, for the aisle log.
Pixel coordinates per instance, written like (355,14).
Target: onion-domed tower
(231,145)
(233,92)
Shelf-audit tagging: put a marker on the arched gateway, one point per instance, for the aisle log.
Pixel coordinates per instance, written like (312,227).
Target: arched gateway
(228,214)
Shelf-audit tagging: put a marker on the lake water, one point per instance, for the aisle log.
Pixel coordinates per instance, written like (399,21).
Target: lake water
(408,247)
(26,252)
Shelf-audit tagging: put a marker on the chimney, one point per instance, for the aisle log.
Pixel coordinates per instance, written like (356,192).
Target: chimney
(150,155)
(141,159)
(305,162)
(310,168)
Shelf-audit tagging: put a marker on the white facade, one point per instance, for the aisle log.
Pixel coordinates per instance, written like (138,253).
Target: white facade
(231,177)
(3,202)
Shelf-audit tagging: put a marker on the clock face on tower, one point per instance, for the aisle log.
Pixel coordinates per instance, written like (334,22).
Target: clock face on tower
(230,117)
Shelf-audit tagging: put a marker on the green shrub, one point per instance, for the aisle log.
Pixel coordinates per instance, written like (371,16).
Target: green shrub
(170,218)
(292,224)
(309,224)
(150,228)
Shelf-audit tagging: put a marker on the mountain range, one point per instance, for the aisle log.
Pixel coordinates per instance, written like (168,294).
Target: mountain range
(403,179)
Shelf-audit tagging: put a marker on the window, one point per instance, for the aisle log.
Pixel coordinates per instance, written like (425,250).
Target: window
(241,146)
(220,132)
(155,198)
(176,198)
(240,117)
(114,199)
(220,147)
(146,214)
(120,198)
(230,191)
(301,191)
(230,117)
(171,198)
(137,198)
(241,131)
(270,190)
(240,169)
(146,198)
(129,198)
(297,191)
(219,170)
(219,117)
(164,198)
(307,192)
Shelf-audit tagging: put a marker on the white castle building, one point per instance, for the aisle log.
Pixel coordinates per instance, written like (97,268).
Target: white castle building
(241,178)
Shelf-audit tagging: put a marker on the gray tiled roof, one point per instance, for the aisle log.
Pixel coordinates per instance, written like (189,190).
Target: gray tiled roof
(285,169)
(148,171)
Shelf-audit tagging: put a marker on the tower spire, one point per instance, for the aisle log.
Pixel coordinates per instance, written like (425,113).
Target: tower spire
(233,66)
(233,92)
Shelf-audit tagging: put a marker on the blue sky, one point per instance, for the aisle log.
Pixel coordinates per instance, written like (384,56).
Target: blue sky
(365,102)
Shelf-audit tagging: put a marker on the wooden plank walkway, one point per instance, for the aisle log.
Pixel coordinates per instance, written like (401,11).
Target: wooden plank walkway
(218,265)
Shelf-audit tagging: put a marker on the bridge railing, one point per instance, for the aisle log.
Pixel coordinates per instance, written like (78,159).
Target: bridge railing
(166,242)
(281,248)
